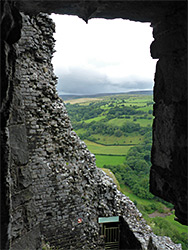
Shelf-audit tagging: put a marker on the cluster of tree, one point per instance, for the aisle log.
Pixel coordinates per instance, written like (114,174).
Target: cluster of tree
(84,112)
(135,171)
(101,127)
(79,112)
(122,110)
(138,182)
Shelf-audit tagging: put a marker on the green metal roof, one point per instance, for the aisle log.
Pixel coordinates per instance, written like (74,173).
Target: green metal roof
(108,219)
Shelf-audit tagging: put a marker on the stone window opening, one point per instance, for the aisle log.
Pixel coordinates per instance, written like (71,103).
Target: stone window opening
(167,96)
(62,82)
(96,53)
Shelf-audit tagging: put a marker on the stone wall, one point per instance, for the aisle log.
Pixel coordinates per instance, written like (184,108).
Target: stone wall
(54,177)
(10,20)
(168,178)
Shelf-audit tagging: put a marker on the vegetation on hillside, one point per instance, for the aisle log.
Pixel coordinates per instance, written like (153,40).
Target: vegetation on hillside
(135,171)
(117,129)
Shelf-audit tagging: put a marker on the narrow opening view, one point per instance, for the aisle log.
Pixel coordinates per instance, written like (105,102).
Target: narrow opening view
(94,125)
(106,77)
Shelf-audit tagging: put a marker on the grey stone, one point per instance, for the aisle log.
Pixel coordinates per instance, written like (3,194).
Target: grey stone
(18,144)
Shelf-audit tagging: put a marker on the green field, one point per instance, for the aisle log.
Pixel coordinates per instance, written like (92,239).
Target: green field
(98,118)
(128,99)
(84,101)
(146,108)
(106,150)
(122,140)
(144,122)
(80,131)
(102,160)
(120,121)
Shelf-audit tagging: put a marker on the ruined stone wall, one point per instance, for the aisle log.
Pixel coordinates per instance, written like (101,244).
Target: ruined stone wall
(10,21)
(168,177)
(54,179)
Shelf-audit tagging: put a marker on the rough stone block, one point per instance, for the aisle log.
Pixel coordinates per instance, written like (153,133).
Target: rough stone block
(18,144)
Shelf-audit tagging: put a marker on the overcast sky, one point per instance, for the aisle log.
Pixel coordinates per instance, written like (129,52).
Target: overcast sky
(103,56)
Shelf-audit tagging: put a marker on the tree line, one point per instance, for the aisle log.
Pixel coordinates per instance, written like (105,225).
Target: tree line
(103,128)
(81,112)
(135,171)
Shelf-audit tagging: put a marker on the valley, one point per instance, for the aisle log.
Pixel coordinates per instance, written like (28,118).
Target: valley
(118,130)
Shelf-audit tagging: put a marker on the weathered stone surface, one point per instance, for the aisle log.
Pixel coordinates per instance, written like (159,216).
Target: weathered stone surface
(162,243)
(143,11)
(168,177)
(18,144)
(10,20)
(30,241)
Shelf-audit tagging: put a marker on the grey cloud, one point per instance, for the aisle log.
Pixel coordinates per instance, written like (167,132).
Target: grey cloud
(136,84)
(80,81)
(89,81)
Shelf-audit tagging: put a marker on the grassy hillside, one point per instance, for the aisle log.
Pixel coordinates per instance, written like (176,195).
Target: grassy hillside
(99,149)
(102,160)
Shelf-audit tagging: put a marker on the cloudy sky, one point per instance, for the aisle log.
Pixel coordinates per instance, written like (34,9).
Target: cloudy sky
(103,56)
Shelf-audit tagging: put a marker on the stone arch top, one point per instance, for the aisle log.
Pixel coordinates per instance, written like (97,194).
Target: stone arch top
(143,11)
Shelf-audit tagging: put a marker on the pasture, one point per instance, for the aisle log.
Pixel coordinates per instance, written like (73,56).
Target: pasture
(102,160)
(133,139)
(106,150)
(82,100)
(120,121)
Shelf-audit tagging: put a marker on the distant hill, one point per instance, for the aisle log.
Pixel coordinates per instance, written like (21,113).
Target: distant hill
(70,97)
(144,92)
